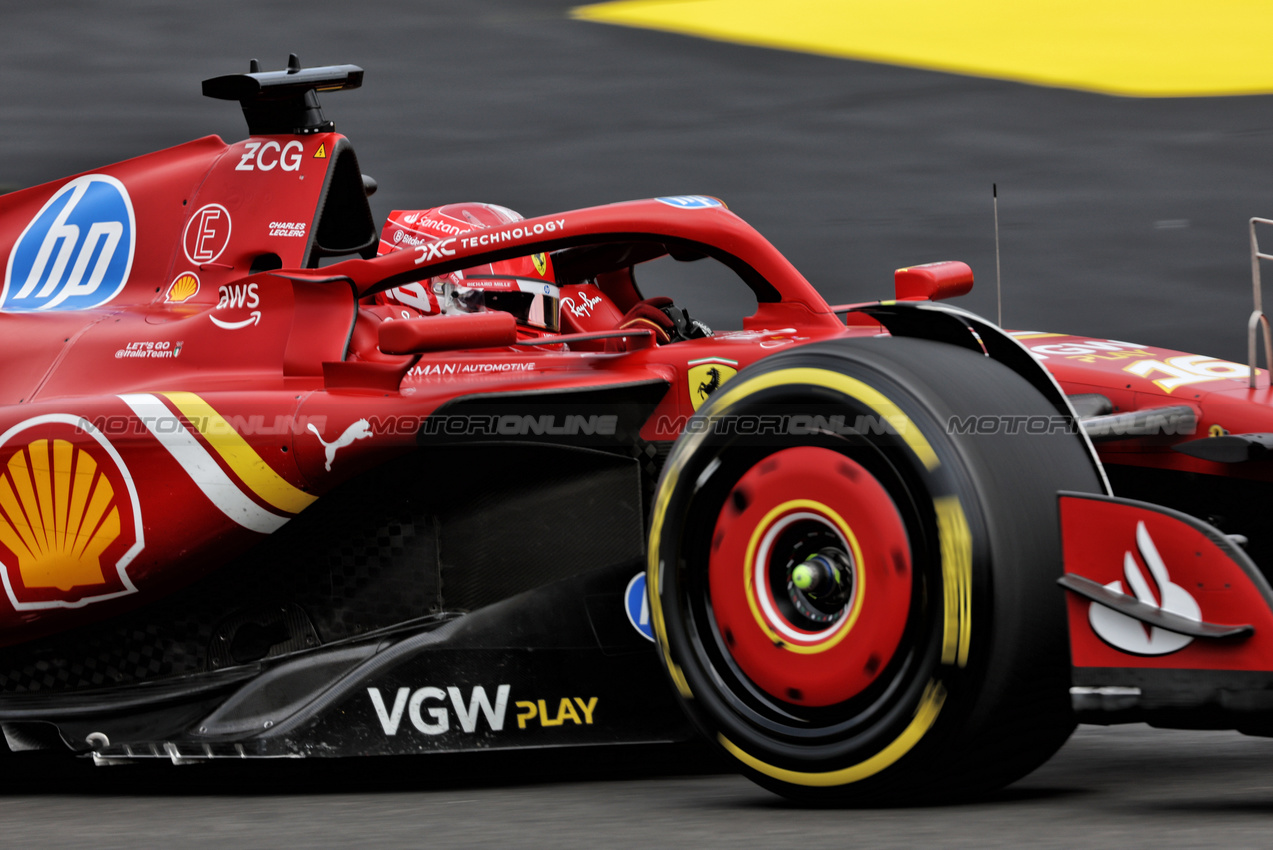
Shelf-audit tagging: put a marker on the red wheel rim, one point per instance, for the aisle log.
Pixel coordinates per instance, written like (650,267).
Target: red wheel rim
(807,649)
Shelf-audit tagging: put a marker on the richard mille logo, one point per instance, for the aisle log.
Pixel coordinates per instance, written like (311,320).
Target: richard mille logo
(1157,590)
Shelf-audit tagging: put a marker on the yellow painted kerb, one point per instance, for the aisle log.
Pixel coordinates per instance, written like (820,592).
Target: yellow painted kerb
(1144,48)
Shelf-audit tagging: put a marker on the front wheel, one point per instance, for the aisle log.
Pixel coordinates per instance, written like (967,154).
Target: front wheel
(852,574)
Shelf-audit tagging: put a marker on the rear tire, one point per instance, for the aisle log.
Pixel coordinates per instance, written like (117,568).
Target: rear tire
(930,659)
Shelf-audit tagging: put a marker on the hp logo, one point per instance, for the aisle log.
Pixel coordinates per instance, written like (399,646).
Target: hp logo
(77,251)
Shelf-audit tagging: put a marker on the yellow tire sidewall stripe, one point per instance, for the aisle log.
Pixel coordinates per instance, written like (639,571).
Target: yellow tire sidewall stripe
(875,400)
(956,563)
(930,705)
(956,559)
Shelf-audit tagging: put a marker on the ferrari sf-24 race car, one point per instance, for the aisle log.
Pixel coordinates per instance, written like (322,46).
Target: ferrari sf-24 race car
(276,483)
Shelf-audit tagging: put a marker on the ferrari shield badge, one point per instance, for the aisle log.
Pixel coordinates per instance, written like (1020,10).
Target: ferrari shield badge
(706,376)
(70,520)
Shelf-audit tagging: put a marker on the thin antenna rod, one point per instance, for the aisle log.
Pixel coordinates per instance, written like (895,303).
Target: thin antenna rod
(994,191)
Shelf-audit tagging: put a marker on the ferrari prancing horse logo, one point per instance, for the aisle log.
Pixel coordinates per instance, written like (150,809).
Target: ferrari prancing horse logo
(706,376)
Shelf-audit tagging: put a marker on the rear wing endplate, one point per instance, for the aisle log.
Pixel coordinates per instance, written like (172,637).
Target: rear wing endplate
(284,102)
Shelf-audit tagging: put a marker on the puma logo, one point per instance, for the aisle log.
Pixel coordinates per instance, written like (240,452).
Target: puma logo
(357,431)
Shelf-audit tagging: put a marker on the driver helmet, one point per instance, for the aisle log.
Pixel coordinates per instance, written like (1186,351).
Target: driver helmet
(523,286)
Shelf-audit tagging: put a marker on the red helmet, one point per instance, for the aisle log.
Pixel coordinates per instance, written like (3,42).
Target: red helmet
(523,286)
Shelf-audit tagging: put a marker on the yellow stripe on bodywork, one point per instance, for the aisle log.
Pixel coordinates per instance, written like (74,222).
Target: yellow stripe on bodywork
(956,567)
(926,712)
(252,470)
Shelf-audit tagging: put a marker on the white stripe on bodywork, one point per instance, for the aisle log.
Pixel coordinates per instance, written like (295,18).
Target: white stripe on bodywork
(200,466)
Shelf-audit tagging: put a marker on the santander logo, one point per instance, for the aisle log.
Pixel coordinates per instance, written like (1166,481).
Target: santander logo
(1156,589)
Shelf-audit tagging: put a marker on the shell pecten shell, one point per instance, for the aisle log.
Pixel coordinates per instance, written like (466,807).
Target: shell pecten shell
(58,514)
(182,288)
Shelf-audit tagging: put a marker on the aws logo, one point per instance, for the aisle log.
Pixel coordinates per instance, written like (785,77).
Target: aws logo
(77,252)
(70,519)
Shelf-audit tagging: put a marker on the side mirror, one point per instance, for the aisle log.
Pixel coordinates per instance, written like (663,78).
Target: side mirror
(933,281)
(448,333)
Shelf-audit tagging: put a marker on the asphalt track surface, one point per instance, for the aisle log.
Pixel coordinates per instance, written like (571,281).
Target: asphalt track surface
(1119,218)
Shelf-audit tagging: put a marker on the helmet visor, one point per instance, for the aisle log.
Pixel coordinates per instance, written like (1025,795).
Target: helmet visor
(534,303)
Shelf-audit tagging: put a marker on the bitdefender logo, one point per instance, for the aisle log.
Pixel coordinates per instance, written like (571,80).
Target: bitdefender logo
(1156,590)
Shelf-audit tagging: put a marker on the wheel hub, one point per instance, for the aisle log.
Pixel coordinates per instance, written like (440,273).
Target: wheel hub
(820,588)
(809,576)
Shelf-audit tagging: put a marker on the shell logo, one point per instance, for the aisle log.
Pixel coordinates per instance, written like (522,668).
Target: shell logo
(183,288)
(70,520)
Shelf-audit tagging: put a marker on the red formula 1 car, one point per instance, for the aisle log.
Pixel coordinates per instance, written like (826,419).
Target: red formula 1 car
(470,487)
